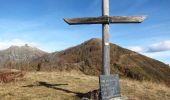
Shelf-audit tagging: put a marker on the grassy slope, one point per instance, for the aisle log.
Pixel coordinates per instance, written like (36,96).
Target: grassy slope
(87,58)
(68,86)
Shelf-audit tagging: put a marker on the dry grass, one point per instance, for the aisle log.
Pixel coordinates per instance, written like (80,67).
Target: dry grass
(145,90)
(69,86)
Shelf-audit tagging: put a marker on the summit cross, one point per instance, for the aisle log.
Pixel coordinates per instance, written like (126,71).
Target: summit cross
(105,20)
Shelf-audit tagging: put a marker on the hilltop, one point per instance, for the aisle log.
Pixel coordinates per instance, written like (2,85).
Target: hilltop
(87,58)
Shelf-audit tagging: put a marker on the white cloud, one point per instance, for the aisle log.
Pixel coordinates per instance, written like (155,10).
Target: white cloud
(158,54)
(136,48)
(159,51)
(162,56)
(156,47)
(161,46)
(16,42)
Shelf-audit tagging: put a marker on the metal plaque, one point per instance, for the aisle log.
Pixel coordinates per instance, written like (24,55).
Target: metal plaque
(109,86)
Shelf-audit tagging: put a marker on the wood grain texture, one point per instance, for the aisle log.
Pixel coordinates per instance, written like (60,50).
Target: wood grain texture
(105,39)
(105,7)
(126,19)
(105,50)
(105,20)
(87,20)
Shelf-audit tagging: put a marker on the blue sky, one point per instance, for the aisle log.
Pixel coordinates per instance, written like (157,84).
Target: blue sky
(40,23)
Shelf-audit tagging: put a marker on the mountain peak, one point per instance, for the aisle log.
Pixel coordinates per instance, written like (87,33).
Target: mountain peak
(94,40)
(14,46)
(98,40)
(24,47)
(19,54)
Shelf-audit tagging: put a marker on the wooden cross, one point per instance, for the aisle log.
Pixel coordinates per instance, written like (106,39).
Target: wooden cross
(105,20)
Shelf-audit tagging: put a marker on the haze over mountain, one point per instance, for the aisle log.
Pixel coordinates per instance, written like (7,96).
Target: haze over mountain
(87,58)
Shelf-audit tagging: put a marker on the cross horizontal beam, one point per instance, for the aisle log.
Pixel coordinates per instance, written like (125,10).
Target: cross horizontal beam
(105,20)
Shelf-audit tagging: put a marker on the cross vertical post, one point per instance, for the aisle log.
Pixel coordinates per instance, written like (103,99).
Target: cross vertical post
(105,40)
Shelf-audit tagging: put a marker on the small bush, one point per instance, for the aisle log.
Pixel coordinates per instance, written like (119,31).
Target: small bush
(7,76)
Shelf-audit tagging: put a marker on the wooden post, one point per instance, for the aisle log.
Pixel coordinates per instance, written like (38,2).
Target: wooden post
(105,40)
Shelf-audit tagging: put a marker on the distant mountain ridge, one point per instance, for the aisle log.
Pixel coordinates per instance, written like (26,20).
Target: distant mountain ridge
(87,58)
(16,56)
